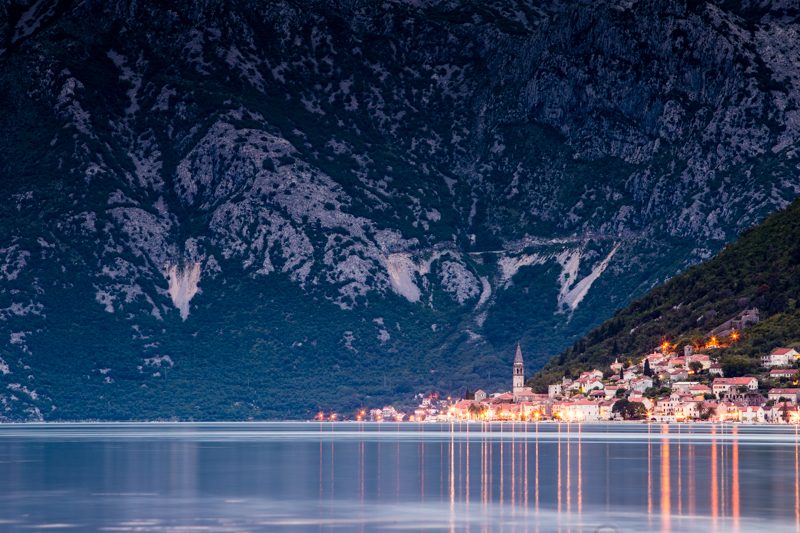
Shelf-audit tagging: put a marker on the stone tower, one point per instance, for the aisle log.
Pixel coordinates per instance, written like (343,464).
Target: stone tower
(518,382)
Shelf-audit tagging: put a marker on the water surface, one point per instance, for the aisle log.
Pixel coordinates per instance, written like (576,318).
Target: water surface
(398,477)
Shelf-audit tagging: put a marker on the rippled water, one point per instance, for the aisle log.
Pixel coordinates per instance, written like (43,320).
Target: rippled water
(368,477)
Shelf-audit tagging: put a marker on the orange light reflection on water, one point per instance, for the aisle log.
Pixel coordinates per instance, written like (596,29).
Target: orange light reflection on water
(692,480)
(558,483)
(714,474)
(502,466)
(666,511)
(735,512)
(580,471)
(569,464)
(536,474)
(796,482)
(722,492)
(466,472)
(452,481)
(649,477)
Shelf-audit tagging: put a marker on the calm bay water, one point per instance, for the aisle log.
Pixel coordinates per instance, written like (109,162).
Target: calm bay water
(376,477)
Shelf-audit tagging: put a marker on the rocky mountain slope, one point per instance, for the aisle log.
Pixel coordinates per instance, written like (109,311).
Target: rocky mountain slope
(759,271)
(243,209)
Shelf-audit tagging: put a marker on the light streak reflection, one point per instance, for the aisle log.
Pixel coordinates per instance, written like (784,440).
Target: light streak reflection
(735,511)
(714,479)
(666,511)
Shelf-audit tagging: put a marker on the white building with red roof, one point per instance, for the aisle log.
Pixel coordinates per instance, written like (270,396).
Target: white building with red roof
(780,357)
(724,385)
(701,358)
(641,384)
(699,389)
(754,414)
(778,373)
(790,394)
(677,374)
(676,362)
(577,411)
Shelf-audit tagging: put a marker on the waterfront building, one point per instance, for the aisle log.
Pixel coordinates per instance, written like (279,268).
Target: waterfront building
(577,411)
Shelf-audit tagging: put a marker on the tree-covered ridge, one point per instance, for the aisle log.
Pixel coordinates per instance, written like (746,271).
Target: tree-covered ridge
(761,269)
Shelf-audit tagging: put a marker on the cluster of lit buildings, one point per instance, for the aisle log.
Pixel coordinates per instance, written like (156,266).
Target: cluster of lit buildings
(670,388)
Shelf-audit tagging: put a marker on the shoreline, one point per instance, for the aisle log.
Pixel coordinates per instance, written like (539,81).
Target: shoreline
(395,423)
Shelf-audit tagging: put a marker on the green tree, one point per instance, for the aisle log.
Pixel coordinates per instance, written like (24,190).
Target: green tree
(629,410)
(705,414)
(738,365)
(476,410)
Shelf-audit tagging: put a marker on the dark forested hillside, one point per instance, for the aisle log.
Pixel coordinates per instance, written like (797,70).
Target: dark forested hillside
(760,270)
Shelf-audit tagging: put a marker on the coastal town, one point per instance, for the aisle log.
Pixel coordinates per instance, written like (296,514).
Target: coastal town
(666,385)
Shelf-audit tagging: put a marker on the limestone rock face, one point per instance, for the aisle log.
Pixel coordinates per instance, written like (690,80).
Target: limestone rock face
(375,198)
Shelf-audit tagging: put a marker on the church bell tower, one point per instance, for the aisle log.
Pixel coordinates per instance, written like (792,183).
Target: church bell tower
(518,382)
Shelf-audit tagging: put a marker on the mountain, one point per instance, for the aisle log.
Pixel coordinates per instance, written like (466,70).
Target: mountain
(241,209)
(761,270)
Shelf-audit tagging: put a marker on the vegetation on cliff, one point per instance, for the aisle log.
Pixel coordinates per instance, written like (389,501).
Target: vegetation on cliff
(760,270)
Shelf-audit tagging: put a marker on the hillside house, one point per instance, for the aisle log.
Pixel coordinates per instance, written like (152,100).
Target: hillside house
(698,389)
(555,389)
(703,359)
(778,395)
(784,373)
(779,357)
(641,384)
(677,374)
(683,386)
(587,383)
(595,373)
(676,362)
(630,374)
(724,385)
